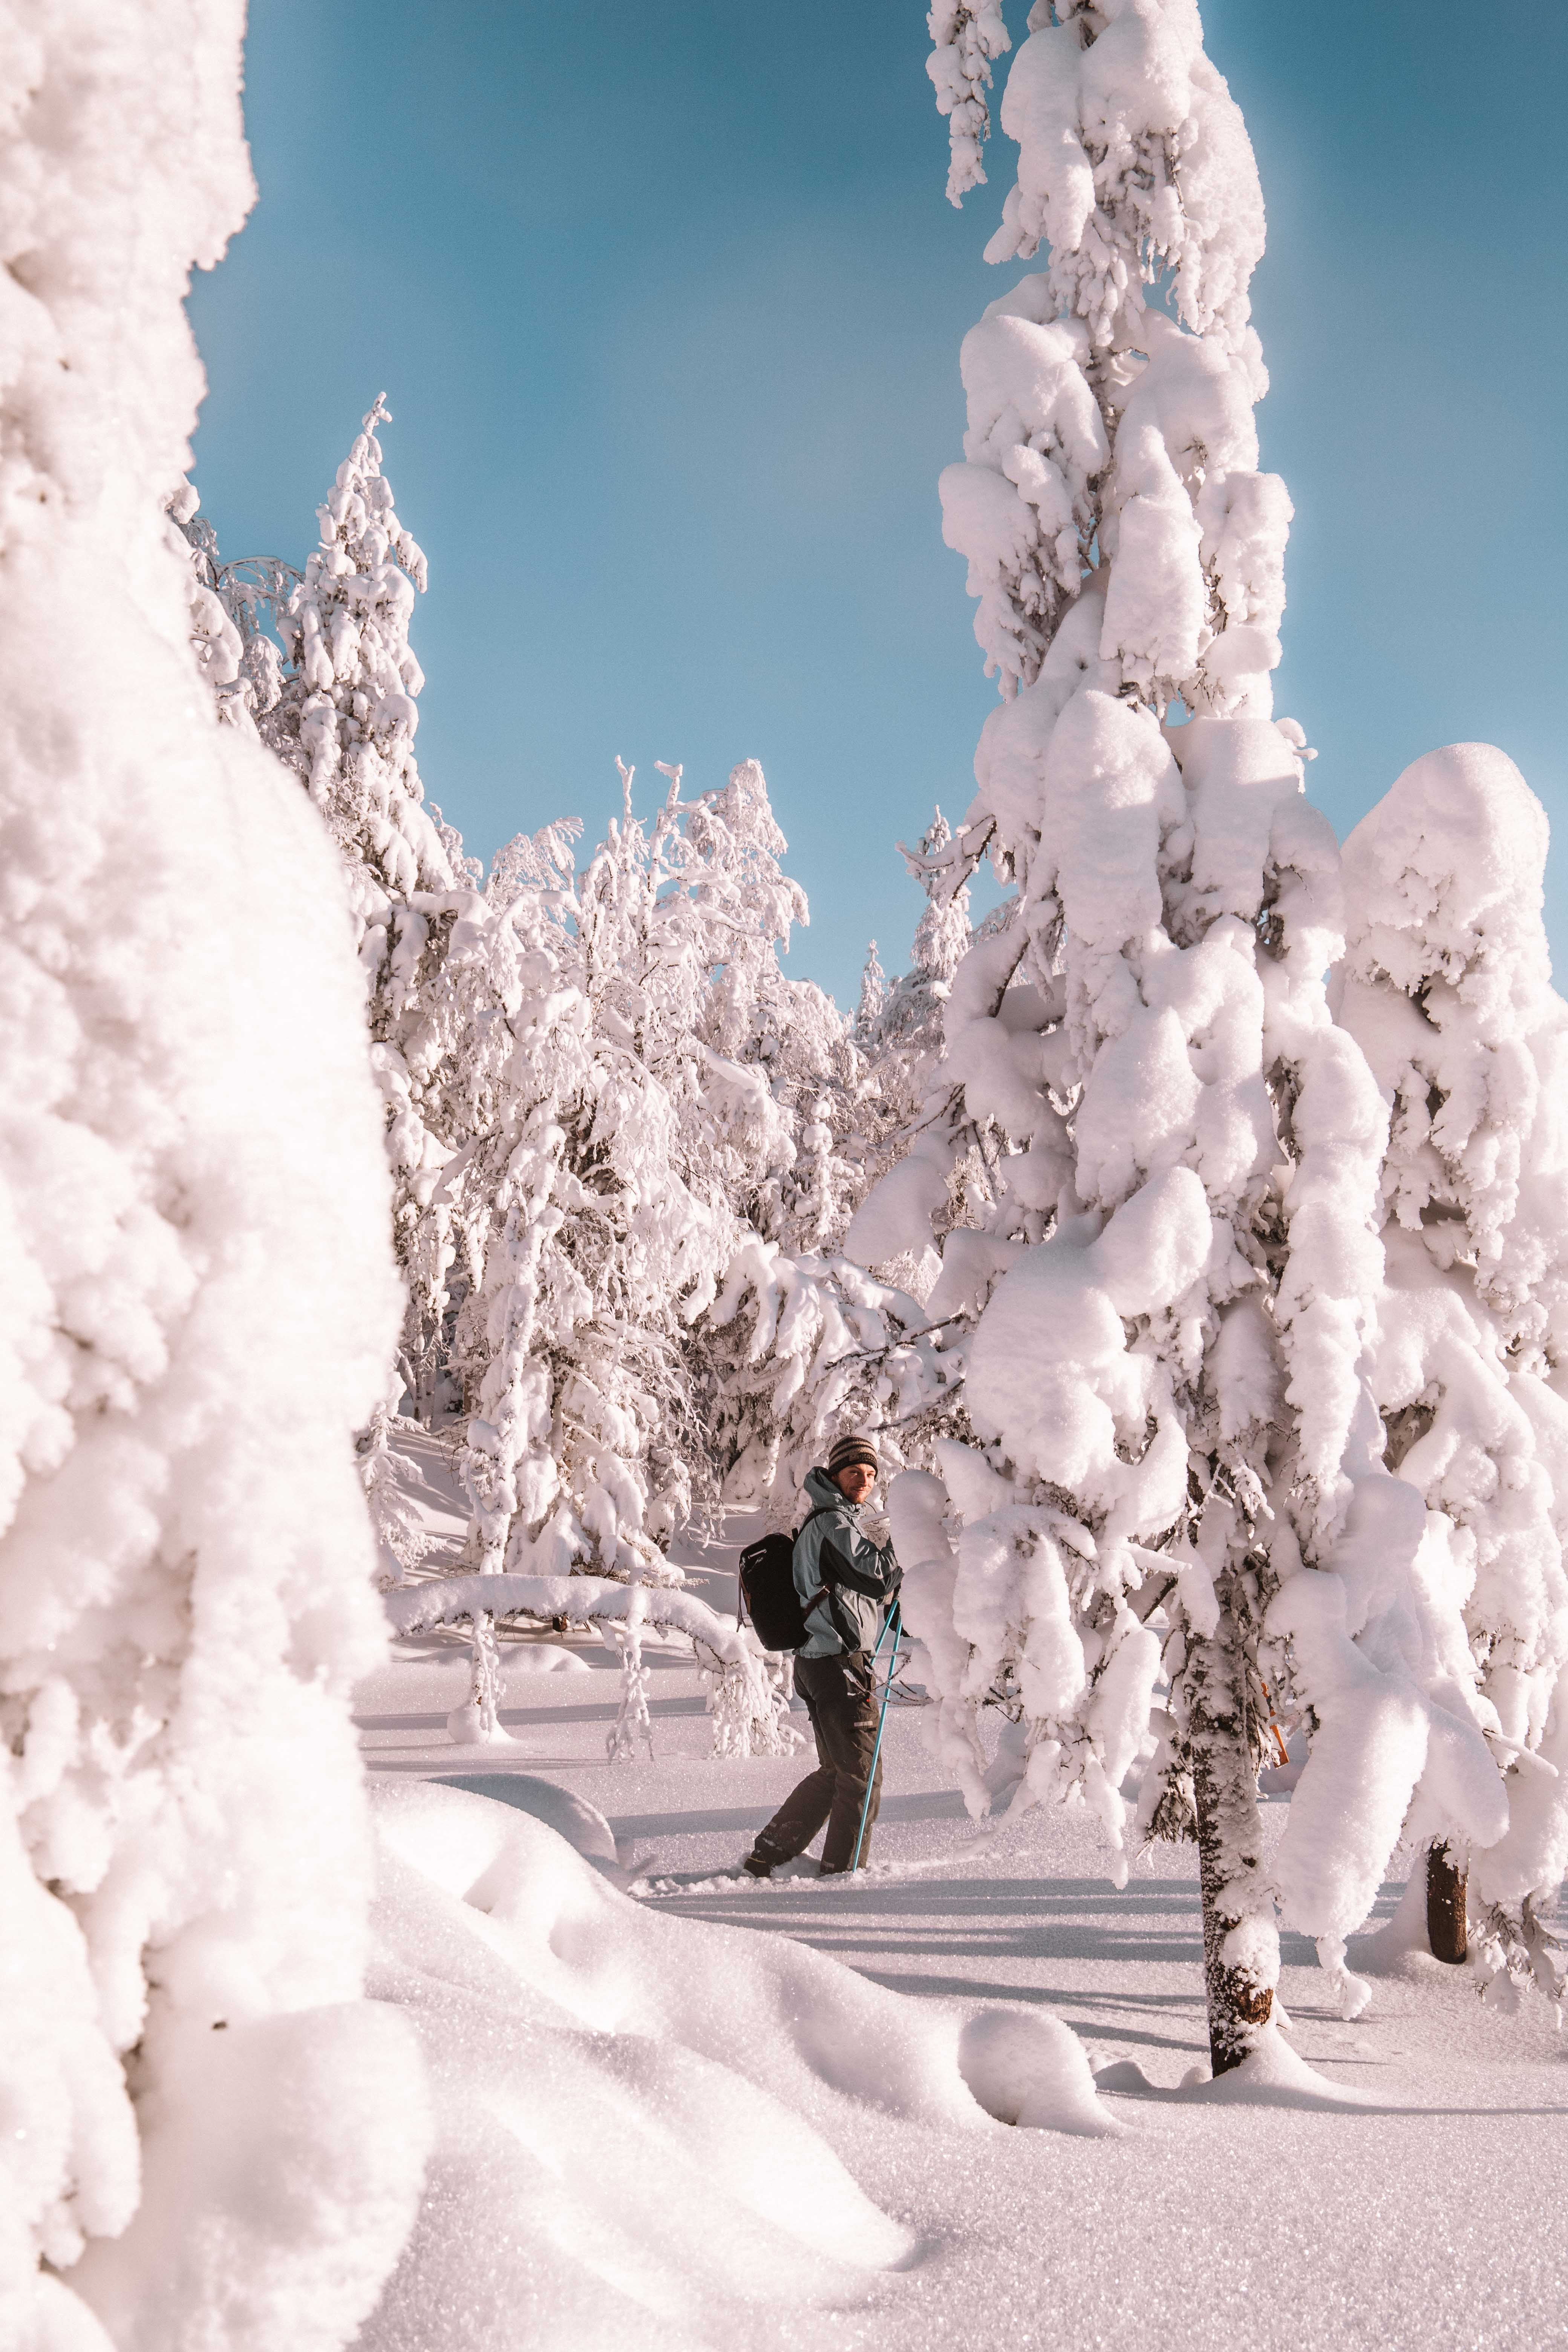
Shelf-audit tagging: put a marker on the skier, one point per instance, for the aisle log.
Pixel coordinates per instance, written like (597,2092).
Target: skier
(847,1582)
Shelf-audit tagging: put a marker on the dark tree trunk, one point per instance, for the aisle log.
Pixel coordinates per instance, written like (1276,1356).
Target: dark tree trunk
(1239,1984)
(1446,1886)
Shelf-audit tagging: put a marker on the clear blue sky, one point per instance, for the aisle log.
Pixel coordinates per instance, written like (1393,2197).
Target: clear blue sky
(668,305)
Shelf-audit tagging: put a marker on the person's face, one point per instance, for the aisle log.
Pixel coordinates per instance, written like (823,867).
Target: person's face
(855,1481)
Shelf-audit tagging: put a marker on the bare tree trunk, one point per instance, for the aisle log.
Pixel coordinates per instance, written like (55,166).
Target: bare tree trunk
(1446,1887)
(1241,1947)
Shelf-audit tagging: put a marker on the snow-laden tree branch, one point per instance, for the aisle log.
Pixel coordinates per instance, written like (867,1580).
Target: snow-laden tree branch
(748,1705)
(966,40)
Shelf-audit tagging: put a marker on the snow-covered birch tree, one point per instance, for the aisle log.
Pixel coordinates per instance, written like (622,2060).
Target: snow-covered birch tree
(1169,1391)
(197,1301)
(633,1120)
(659,1117)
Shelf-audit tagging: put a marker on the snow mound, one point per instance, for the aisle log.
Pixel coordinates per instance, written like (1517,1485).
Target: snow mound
(582,1825)
(1270,2076)
(547,1658)
(580,2045)
(466,1728)
(1032,2070)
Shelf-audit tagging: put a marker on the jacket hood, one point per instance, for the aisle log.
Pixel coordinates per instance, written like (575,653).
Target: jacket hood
(823,1492)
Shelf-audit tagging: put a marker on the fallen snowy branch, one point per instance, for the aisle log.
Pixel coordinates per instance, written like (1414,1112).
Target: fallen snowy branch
(581,1599)
(745,1696)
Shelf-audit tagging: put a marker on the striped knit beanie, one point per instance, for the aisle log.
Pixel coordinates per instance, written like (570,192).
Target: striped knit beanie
(848,1450)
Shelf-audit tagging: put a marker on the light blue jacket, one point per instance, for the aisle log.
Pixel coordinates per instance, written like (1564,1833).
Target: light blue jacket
(861,1578)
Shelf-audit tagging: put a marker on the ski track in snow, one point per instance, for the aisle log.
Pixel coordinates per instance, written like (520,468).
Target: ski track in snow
(1426,2214)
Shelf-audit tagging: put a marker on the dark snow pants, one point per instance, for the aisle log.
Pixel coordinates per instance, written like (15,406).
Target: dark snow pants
(843,1697)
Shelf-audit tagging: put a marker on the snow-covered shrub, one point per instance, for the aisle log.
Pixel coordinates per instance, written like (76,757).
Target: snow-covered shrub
(672,1135)
(394,1514)
(1168,1391)
(209,2136)
(1446,984)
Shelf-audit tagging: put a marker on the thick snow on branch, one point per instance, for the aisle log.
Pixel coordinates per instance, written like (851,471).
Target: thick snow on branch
(581,1599)
(964,40)
(1101,426)
(1446,984)
(749,1709)
(1133,158)
(209,2136)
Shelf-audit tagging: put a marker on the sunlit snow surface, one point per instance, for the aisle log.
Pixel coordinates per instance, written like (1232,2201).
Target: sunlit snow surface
(666,2125)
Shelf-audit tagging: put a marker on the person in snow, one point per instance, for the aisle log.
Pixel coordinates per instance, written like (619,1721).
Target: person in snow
(847,1582)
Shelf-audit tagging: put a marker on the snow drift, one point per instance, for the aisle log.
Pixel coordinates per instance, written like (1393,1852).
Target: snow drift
(581,2046)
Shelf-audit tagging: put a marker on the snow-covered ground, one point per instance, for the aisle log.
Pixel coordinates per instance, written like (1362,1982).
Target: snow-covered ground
(604,2195)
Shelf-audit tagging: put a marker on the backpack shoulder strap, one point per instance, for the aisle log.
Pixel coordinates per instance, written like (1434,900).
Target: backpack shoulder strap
(817,1511)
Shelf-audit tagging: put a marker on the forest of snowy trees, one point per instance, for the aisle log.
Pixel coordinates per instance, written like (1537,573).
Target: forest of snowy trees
(1192,1233)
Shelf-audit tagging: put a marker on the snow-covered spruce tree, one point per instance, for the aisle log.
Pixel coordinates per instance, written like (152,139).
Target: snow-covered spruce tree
(1445,984)
(792,1172)
(209,2136)
(873,995)
(1169,1390)
(345,721)
(781,1072)
(518,1322)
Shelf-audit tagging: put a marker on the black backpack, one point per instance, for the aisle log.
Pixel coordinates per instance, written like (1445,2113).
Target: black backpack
(767,1587)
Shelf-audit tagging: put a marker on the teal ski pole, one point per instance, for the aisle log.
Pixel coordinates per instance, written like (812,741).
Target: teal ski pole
(890,1627)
